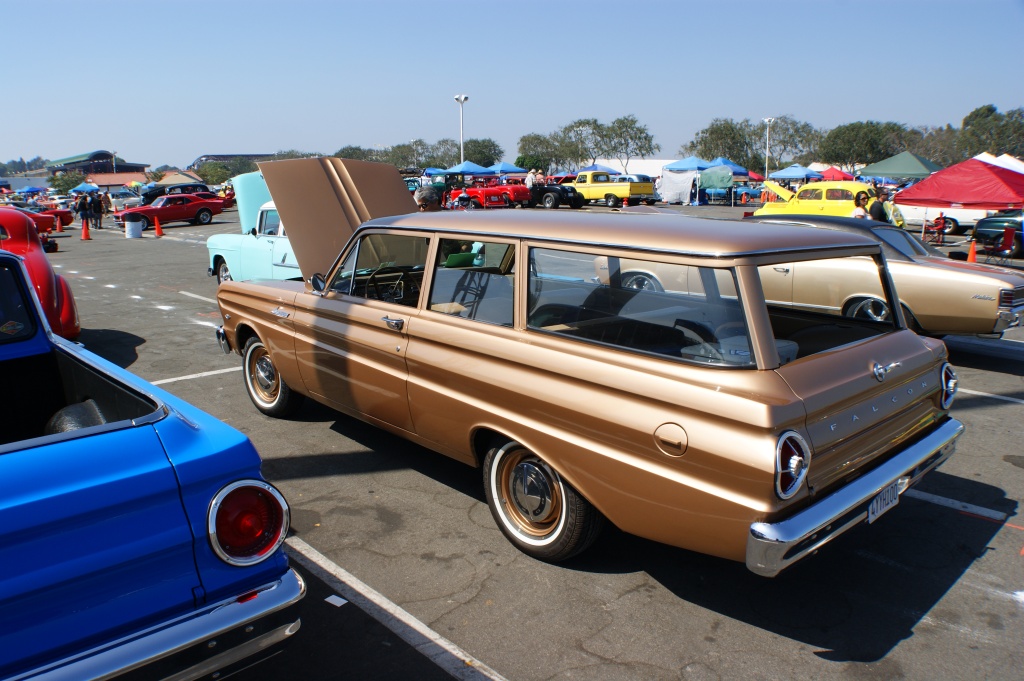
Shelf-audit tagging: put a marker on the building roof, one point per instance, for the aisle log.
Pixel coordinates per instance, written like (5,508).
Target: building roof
(116,179)
(79,158)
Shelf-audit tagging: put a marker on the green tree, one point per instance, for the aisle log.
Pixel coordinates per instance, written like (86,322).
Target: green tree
(580,143)
(537,151)
(735,140)
(985,129)
(155,175)
(940,145)
(64,182)
(442,154)
(213,172)
(485,152)
(863,142)
(354,152)
(625,138)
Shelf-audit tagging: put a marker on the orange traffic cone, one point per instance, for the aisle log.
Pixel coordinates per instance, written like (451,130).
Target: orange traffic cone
(85,230)
(972,255)
(57,221)
(156,226)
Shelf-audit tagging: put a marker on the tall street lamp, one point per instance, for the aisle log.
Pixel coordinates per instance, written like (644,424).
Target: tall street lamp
(767,131)
(461,99)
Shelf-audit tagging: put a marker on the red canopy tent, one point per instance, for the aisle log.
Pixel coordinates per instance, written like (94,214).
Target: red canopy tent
(755,177)
(970,184)
(834,173)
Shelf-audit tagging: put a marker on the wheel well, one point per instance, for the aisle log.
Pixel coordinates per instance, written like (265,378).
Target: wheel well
(243,333)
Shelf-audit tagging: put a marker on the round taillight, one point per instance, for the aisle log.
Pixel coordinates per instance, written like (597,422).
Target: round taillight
(247,521)
(949,384)
(792,459)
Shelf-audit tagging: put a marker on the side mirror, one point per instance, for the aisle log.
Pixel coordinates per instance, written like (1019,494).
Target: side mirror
(318,283)
(253,232)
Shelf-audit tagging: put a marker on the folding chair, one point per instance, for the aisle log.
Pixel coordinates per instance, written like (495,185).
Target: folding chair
(1001,249)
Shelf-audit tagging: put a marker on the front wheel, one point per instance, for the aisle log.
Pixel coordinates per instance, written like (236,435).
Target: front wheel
(223,273)
(144,221)
(266,388)
(534,508)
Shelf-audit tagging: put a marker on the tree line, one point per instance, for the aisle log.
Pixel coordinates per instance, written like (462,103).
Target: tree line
(790,140)
(585,140)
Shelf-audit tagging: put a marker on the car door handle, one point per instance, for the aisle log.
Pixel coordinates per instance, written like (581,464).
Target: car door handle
(393,324)
(784,270)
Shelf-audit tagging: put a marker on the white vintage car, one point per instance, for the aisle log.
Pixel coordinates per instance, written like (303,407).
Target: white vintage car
(958,220)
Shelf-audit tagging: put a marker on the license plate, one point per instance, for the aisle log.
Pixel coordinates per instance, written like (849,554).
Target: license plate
(884,500)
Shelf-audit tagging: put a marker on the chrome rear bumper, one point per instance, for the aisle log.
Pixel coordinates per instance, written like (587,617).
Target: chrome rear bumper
(772,547)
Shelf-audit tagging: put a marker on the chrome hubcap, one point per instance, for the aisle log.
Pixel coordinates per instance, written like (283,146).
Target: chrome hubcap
(531,491)
(264,374)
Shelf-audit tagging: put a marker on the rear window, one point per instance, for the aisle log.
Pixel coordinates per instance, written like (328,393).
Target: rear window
(683,312)
(838,195)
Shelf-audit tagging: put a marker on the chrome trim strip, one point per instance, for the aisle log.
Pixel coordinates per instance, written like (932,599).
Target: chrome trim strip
(769,544)
(174,636)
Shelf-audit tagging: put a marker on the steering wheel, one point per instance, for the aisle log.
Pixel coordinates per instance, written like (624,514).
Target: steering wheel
(390,289)
(705,339)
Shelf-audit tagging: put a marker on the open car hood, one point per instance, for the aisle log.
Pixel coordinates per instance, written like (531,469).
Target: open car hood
(323,200)
(779,191)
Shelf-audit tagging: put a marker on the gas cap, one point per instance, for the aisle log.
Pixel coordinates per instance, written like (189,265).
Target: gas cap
(671,439)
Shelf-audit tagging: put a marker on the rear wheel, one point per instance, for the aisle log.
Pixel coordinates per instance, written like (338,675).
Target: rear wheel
(640,282)
(550,201)
(953,227)
(534,508)
(476,204)
(611,201)
(203,217)
(266,388)
(577,201)
(651,202)
(875,309)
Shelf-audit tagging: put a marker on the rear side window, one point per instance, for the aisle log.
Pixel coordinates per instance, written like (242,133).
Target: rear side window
(684,312)
(838,195)
(809,195)
(475,280)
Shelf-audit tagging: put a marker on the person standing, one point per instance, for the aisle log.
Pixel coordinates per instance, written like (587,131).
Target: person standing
(859,202)
(82,207)
(96,210)
(531,178)
(105,197)
(877,210)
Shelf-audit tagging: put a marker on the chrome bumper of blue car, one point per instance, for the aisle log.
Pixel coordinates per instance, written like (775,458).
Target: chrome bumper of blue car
(772,547)
(214,637)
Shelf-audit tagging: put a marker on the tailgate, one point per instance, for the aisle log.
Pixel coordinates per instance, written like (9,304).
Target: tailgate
(854,417)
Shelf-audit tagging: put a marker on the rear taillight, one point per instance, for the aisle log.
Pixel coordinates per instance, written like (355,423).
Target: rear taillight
(247,522)
(949,383)
(1006,296)
(792,459)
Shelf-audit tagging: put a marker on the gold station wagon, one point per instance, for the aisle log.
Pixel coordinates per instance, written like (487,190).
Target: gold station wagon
(697,415)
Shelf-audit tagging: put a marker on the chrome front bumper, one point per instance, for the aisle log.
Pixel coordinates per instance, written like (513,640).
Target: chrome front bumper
(772,547)
(205,633)
(222,340)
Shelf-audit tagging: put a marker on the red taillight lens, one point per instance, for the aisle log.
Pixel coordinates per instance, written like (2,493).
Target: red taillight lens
(792,459)
(248,520)
(1006,297)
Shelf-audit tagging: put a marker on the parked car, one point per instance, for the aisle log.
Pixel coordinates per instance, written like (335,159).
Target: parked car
(990,230)
(173,208)
(938,295)
(957,220)
(493,194)
(60,215)
(829,197)
(120,200)
(262,253)
(18,235)
(139,532)
(697,415)
(604,188)
(151,195)
(552,195)
(226,201)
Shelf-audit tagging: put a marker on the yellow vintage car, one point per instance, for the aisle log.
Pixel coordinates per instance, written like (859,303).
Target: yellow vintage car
(823,198)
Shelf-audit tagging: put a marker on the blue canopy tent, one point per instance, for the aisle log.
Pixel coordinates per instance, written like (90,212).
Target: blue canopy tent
(469,168)
(430,172)
(30,190)
(795,172)
(736,168)
(86,187)
(688,163)
(599,168)
(505,168)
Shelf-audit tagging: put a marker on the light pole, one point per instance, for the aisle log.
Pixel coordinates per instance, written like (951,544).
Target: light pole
(114,160)
(767,131)
(461,99)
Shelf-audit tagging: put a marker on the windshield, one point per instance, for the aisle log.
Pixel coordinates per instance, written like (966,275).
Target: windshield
(15,317)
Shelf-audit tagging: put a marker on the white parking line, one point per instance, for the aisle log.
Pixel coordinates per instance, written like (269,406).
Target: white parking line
(441,651)
(199,375)
(1004,398)
(958,505)
(198,297)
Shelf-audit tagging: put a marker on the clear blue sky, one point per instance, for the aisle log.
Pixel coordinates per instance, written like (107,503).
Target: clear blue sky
(164,82)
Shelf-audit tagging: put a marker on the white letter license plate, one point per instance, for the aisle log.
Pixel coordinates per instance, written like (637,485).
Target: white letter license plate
(884,500)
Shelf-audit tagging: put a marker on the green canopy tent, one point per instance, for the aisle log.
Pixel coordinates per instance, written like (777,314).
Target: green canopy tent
(715,178)
(901,165)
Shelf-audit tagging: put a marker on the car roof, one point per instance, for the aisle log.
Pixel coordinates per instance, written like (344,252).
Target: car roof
(676,233)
